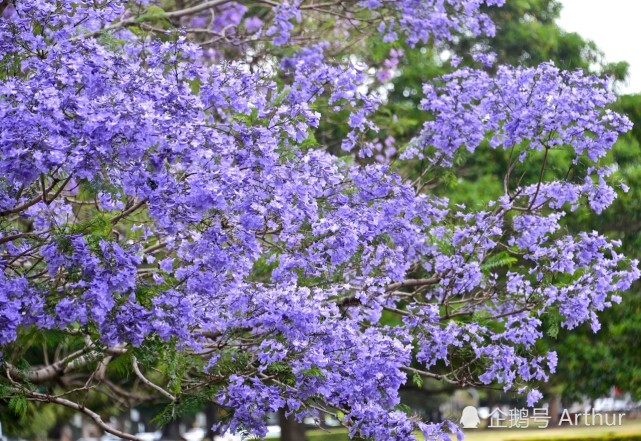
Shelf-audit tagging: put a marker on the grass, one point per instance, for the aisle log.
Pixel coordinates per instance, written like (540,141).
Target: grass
(629,428)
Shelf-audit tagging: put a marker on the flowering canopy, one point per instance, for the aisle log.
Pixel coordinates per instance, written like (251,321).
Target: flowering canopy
(161,195)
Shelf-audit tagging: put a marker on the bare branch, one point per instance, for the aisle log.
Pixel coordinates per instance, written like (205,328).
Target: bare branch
(63,366)
(81,408)
(429,374)
(135,20)
(410,283)
(150,383)
(47,373)
(35,199)
(127,212)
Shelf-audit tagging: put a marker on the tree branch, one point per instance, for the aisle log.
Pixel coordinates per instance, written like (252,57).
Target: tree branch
(81,408)
(63,366)
(413,283)
(47,373)
(124,214)
(135,20)
(149,383)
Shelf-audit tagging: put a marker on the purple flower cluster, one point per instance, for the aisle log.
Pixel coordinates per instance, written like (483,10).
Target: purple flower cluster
(545,106)
(425,20)
(170,198)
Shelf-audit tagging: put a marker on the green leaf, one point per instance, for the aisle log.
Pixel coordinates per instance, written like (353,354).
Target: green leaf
(121,365)
(153,12)
(18,405)
(417,379)
(280,98)
(553,328)
(502,259)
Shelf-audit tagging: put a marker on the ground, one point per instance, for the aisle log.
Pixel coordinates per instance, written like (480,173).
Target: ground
(628,428)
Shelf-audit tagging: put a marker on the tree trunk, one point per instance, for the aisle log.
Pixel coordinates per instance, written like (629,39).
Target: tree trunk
(290,429)
(491,399)
(554,410)
(171,431)
(211,413)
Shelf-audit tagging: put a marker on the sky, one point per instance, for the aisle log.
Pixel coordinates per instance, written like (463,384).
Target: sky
(614,25)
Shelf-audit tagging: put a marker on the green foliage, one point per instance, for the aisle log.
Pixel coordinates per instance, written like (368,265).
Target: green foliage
(155,15)
(9,66)
(553,327)
(188,405)
(22,418)
(590,364)
(527,34)
(18,405)
(121,365)
(404,408)
(417,380)
(500,260)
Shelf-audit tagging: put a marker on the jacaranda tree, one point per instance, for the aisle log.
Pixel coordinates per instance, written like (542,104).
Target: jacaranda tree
(171,230)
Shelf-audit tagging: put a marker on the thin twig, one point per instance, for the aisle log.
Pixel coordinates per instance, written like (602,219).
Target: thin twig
(150,383)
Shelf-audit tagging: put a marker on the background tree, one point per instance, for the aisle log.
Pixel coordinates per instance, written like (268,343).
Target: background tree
(590,364)
(599,362)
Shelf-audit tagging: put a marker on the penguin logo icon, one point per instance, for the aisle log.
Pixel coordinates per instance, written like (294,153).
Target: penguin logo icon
(470,418)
